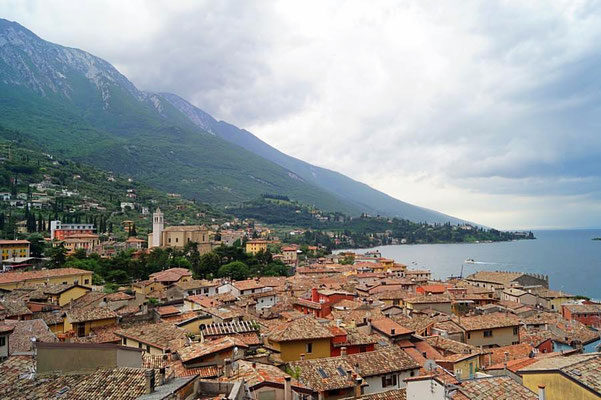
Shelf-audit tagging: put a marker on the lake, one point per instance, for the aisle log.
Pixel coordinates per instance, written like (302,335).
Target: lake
(570,257)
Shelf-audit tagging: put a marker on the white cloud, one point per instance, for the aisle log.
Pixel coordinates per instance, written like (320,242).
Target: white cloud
(484,110)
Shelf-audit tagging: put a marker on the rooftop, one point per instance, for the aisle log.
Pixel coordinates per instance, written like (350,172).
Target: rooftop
(162,335)
(498,388)
(13,277)
(300,329)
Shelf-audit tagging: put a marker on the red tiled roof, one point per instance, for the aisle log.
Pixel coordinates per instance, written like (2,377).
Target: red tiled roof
(11,277)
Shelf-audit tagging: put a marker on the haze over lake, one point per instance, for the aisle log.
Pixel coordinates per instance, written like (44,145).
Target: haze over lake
(570,257)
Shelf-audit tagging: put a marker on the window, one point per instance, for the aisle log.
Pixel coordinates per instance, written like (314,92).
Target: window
(81,330)
(148,348)
(412,373)
(124,341)
(516,330)
(2,341)
(487,333)
(176,240)
(388,380)
(139,345)
(87,281)
(469,335)
(515,342)
(309,348)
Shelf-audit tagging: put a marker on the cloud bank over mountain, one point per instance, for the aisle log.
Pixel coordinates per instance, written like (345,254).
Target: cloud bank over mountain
(484,110)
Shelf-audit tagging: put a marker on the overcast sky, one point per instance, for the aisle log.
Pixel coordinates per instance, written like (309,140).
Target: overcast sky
(485,110)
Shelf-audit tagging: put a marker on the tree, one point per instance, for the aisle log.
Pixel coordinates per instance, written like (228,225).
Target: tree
(236,270)
(37,245)
(208,265)
(132,231)
(58,256)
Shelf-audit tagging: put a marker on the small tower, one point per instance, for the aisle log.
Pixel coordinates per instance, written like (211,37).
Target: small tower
(157,228)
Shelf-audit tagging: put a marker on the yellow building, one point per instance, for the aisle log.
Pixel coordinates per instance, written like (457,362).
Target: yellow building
(576,377)
(193,325)
(148,286)
(255,246)
(12,280)
(63,294)
(14,248)
(302,338)
(82,320)
(491,330)
(464,366)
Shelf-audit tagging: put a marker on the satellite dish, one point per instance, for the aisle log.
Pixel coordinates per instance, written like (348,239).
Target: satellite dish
(430,365)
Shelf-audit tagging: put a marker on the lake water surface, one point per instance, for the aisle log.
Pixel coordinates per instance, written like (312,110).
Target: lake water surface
(570,257)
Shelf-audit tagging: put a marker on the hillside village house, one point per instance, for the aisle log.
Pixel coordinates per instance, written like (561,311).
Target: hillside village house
(588,314)
(12,280)
(242,288)
(62,294)
(81,241)
(82,320)
(14,248)
(321,302)
(255,246)
(574,377)
(552,299)
(491,330)
(60,231)
(351,376)
(301,338)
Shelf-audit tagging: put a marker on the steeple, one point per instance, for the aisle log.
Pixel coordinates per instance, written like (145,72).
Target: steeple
(157,228)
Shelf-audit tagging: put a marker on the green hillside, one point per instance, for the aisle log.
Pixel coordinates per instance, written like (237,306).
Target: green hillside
(80,107)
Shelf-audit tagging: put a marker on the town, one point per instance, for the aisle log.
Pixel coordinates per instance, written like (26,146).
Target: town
(238,314)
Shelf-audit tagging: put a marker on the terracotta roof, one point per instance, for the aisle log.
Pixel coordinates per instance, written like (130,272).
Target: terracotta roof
(324,374)
(497,277)
(498,388)
(383,361)
(18,381)
(247,285)
(90,314)
(12,308)
(204,301)
(170,275)
(115,383)
(488,321)
(300,329)
(257,373)
(196,351)
(167,310)
(5,241)
(196,284)
(389,327)
(450,346)
(185,228)
(428,299)
(583,368)
(395,394)
(162,335)
(24,331)
(515,351)
(583,308)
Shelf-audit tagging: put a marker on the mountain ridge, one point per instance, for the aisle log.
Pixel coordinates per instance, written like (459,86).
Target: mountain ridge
(82,107)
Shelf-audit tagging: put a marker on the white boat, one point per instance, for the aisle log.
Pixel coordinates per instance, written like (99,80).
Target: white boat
(469,261)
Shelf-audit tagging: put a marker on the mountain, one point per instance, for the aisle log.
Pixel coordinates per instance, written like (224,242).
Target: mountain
(80,107)
(350,191)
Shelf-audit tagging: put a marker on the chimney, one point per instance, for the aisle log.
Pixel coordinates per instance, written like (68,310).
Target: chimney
(314,295)
(287,388)
(358,383)
(343,351)
(392,331)
(162,376)
(541,392)
(254,365)
(149,375)
(369,326)
(228,367)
